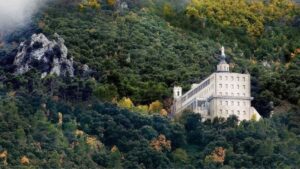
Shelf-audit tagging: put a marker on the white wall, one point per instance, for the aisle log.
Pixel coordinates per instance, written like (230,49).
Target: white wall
(233,84)
(233,95)
(230,92)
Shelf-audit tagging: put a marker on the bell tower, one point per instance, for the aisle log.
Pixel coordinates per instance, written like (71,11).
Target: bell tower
(177,92)
(223,66)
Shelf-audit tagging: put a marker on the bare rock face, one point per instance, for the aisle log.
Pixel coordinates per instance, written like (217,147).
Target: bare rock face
(48,56)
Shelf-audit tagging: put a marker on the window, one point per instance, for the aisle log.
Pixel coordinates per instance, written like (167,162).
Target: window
(227,112)
(226,77)
(232,94)
(226,86)
(232,87)
(220,111)
(220,93)
(220,102)
(238,78)
(238,94)
(244,94)
(232,103)
(226,103)
(220,85)
(244,79)
(238,86)
(244,103)
(232,78)
(238,112)
(232,112)
(244,112)
(220,77)
(244,86)
(238,103)
(177,93)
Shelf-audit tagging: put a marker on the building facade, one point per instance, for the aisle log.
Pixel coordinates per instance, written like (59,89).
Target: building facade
(222,94)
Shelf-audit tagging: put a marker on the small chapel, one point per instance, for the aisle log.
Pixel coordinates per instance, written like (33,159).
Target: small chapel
(222,94)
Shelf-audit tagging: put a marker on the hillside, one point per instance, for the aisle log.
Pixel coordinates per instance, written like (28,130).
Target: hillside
(142,53)
(115,116)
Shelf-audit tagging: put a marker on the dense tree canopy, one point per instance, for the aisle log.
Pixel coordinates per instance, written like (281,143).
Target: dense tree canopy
(102,135)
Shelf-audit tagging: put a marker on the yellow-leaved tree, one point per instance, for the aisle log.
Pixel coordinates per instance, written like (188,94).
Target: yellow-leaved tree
(168,10)
(111,2)
(3,155)
(163,112)
(161,143)
(24,160)
(155,106)
(126,102)
(94,4)
(217,156)
(144,109)
(251,15)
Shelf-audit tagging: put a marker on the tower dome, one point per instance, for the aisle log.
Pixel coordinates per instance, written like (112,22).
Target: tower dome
(223,66)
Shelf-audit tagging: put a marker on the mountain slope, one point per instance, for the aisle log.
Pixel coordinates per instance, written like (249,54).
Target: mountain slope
(140,52)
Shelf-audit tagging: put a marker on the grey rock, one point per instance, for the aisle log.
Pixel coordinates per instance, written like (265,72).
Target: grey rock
(48,56)
(266,64)
(86,71)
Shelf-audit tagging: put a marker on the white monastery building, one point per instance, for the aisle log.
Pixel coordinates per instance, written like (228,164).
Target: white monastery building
(222,94)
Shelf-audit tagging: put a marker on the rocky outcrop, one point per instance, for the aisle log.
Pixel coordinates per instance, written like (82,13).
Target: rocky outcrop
(48,56)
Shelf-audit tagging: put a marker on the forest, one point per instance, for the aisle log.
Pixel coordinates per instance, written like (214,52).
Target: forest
(119,117)
(43,133)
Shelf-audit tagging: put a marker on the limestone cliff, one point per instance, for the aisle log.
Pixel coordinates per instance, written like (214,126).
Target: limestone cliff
(48,56)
